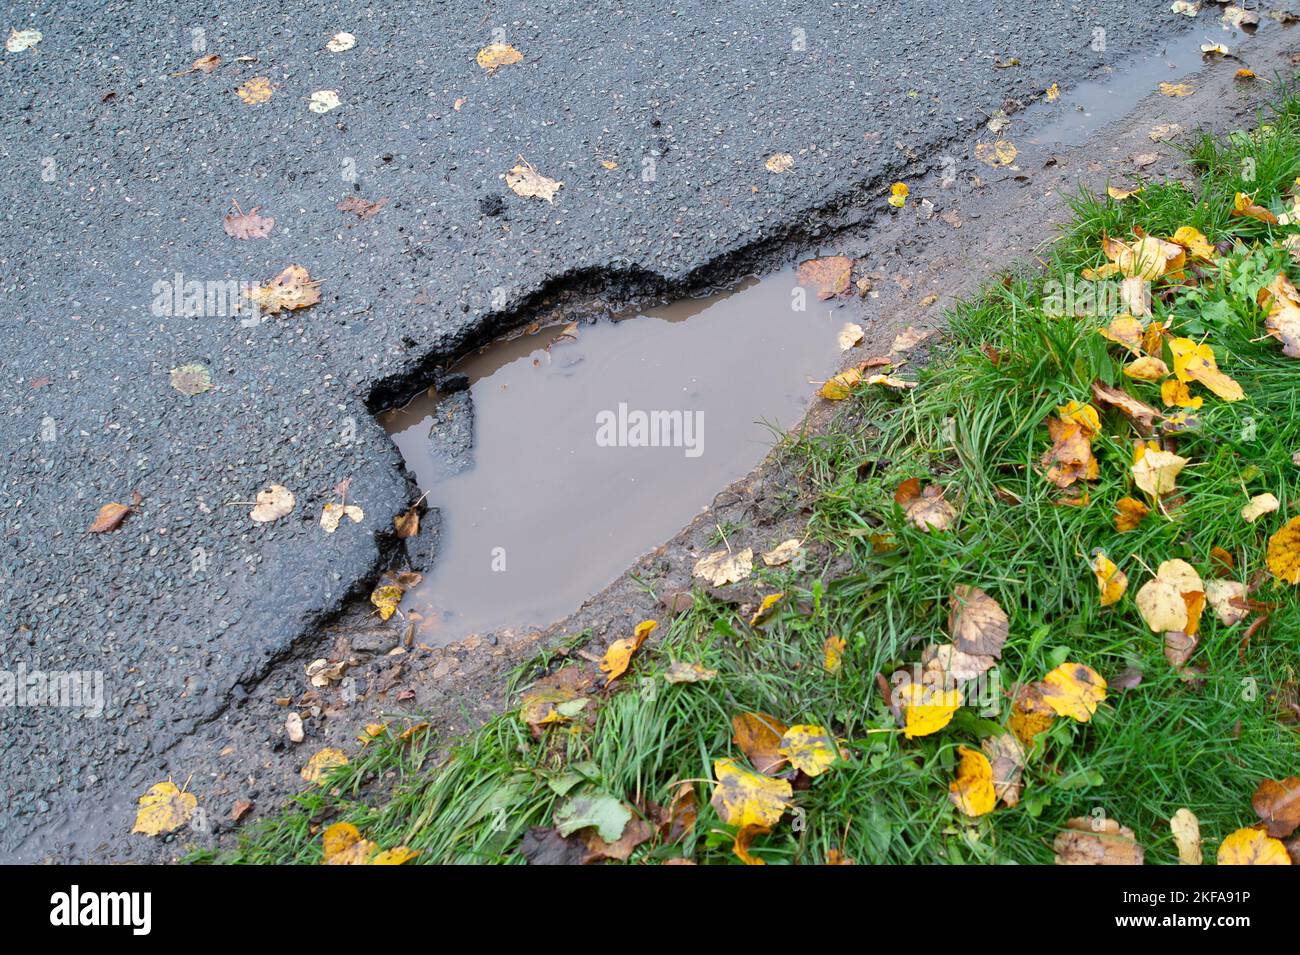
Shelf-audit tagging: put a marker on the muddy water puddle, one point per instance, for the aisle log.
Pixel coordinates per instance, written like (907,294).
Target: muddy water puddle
(1088,107)
(594,444)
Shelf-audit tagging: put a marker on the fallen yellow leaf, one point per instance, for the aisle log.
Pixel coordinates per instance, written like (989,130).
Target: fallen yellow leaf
(744,798)
(1073,690)
(163,809)
(1252,847)
(972,791)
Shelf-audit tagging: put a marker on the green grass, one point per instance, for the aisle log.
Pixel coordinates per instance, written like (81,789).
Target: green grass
(978,429)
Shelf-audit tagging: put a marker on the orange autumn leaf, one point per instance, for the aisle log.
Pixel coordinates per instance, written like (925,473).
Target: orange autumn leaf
(1129,512)
(759,735)
(619,655)
(1284,552)
(1244,205)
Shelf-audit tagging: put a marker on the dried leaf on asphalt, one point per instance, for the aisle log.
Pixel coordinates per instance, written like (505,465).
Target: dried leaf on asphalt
(362,208)
(1278,806)
(272,503)
(321,763)
(496,55)
(1096,841)
(783,552)
(322,101)
(1258,506)
(204,64)
(109,518)
(332,514)
(925,509)
(1252,847)
(1284,552)
(977,624)
(1176,89)
(408,524)
(809,748)
(524,180)
(758,736)
(828,277)
(972,790)
(255,90)
(20,40)
(386,597)
(909,338)
(1186,829)
(1073,690)
(722,567)
(293,288)
(840,386)
(192,379)
(743,798)
(1000,153)
(779,162)
(850,335)
(1111,581)
(619,655)
(163,809)
(341,42)
(247,225)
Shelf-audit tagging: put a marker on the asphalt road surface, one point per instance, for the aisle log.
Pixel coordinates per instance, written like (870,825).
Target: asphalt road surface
(657,117)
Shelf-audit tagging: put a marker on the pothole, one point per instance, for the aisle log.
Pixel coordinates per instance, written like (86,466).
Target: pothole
(593,444)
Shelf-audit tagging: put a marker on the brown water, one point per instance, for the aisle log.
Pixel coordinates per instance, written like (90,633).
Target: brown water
(1087,107)
(554,506)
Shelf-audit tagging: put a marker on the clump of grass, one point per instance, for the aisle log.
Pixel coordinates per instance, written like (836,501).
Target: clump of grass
(976,426)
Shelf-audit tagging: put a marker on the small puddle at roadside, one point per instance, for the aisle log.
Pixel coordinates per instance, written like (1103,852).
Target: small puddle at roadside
(1088,107)
(563,489)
